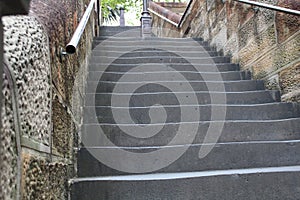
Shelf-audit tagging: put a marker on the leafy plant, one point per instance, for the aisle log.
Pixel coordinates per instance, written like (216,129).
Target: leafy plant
(111,8)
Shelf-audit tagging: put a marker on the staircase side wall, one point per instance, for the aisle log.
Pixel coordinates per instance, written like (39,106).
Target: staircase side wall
(261,40)
(50,101)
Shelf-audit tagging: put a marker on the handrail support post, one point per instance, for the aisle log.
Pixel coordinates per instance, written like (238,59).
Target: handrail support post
(145,21)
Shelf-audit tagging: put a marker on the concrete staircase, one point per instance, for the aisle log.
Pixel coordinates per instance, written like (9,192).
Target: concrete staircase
(172,119)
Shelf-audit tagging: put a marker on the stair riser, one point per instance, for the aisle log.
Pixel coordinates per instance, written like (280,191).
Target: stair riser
(158,60)
(124,38)
(231,132)
(171,49)
(108,87)
(222,157)
(175,66)
(151,43)
(164,76)
(203,98)
(120,31)
(154,53)
(171,41)
(174,113)
(235,187)
(99,46)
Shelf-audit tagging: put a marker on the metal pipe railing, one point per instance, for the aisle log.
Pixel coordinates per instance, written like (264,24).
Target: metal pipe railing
(71,47)
(263,5)
(268,6)
(185,14)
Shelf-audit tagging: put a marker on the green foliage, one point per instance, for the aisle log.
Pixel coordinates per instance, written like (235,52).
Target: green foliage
(111,8)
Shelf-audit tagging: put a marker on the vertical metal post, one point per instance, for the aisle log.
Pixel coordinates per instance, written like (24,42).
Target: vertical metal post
(122,18)
(145,21)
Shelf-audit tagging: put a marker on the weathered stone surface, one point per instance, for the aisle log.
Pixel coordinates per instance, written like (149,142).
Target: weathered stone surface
(8,156)
(43,179)
(260,39)
(290,82)
(62,129)
(287,24)
(32,47)
(27,52)
(272,83)
(177,7)
(258,46)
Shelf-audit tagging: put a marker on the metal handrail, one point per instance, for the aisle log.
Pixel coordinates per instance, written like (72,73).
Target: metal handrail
(71,47)
(268,6)
(263,5)
(185,14)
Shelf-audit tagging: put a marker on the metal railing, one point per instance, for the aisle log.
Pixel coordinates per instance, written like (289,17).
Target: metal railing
(72,45)
(263,5)
(271,7)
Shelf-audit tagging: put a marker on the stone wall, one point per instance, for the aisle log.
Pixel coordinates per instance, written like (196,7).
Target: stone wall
(263,41)
(49,91)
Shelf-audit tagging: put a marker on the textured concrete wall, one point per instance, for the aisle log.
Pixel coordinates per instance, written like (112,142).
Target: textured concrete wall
(50,97)
(261,40)
(8,156)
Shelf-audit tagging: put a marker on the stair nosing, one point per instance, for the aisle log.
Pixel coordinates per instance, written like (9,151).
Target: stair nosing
(184,175)
(183,92)
(202,122)
(192,81)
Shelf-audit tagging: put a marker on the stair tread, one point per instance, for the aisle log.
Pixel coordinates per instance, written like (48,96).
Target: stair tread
(273,185)
(181,175)
(258,144)
(182,158)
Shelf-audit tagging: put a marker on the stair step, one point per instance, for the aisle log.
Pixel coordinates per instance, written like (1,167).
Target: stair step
(147,75)
(180,86)
(165,47)
(173,119)
(124,38)
(232,131)
(136,99)
(153,52)
(178,113)
(151,42)
(159,60)
(114,30)
(236,184)
(217,67)
(183,158)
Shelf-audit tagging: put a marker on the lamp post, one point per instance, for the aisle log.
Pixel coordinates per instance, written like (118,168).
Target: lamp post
(122,18)
(145,21)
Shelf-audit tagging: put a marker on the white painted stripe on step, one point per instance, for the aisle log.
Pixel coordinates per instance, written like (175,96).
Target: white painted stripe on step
(195,145)
(150,51)
(198,122)
(156,57)
(171,64)
(137,40)
(187,92)
(154,81)
(186,175)
(168,72)
(195,105)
